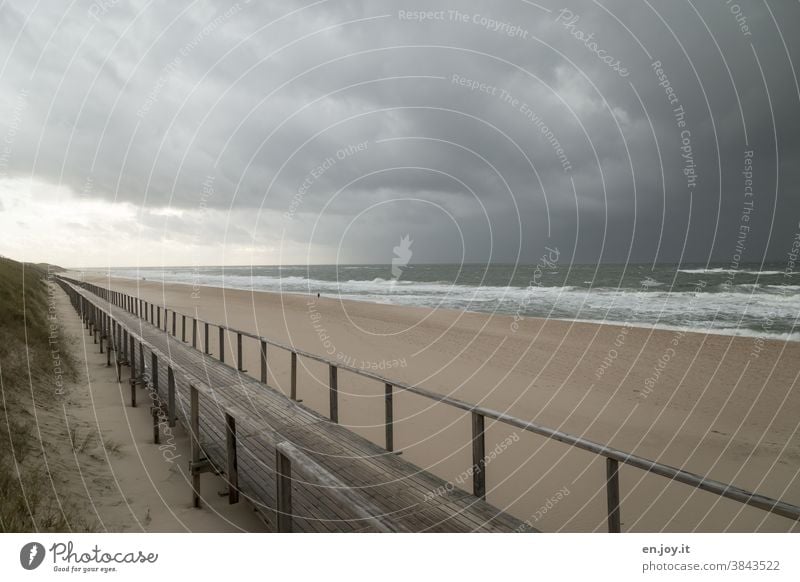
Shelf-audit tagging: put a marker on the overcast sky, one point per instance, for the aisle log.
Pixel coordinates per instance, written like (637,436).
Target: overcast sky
(175,133)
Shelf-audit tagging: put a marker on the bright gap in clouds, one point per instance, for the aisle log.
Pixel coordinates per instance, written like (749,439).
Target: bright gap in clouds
(41,222)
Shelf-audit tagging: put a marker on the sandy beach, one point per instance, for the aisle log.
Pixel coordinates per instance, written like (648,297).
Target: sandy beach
(108,468)
(721,406)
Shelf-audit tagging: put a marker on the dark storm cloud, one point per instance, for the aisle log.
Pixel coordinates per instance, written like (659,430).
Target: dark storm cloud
(488,133)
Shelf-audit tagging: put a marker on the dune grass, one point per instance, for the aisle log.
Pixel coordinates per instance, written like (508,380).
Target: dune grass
(30,364)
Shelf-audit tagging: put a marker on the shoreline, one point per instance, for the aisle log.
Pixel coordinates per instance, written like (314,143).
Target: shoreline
(747,333)
(709,404)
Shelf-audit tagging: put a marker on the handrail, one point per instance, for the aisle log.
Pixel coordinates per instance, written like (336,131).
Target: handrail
(479,413)
(361,507)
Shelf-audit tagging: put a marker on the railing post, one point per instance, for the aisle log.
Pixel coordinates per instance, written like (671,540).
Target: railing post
(158,317)
(171,412)
(156,434)
(166,319)
(293,383)
(118,352)
(263,362)
(389,418)
(132,380)
(612,494)
(183,328)
(333,376)
(221,344)
(195,434)
(205,341)
(109,329)
(154,373)
(233,465)
(174,318)
(239,361)
(194,332)
(152,319)
(141,361)
(478,456)
(283,483)
(154,396)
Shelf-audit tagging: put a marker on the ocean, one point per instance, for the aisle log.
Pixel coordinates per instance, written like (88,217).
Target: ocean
(753,300)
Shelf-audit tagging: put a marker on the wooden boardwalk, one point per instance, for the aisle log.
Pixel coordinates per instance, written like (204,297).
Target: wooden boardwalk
(303,471)
(300,470)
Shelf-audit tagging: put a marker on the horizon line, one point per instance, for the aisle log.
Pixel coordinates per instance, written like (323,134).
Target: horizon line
(469,263)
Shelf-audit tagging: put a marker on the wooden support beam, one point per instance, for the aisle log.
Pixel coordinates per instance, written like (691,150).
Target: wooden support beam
(389,417)
(612,495)
(109,326)
(263,362)
(172,413)
(239,356)
(293,386)
(333,384)
(283,482)
(205,340)
(478,456)
(194,332)
(195,439)
(233,464)
(174,321)
(132,380)
(117,355)
(221,344)
(154,372)
(183,328)
(155,411)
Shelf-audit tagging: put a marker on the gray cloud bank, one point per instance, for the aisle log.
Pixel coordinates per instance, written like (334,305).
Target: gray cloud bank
(614,130)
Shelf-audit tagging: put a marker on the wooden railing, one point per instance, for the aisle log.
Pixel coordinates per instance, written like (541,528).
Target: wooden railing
(288,458)
(152,313)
